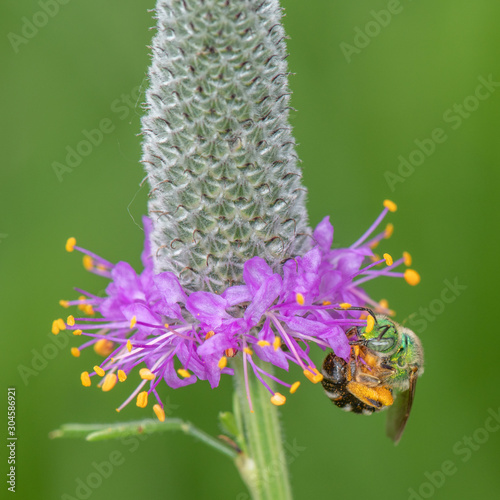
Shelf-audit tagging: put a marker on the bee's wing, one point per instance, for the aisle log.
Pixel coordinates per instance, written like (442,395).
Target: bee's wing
(400,411)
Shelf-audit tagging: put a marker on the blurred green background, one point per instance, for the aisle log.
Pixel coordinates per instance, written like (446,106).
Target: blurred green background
(362,102)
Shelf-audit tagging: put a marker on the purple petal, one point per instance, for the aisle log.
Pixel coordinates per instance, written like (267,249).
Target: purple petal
(263,299)
(255,272)
(323,234)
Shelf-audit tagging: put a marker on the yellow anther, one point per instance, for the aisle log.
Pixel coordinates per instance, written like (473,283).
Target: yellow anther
(230,353)
(248,351)
(412,277)
(299,298)
(278,399)
(327,303)
(70,244)
(166,325)
(363,316)
(222,362)
(407,258)
(133,321)
(55,327)
(75,352)
(294,387)
(209,334)
(388,259)
(104,347)
(183,373)
(102,267)
(389,229)
(142,399)
(77,332)
(313,374)
(263,343)
(384,303)
(61,324)
(70,321)
(122,376)
(88,262)
(345,305)
(370,323)
(390,205)
(375,257)
(159,412)
(146,374)
(85,378)
(99,371)
(129,346)
(109,382)
(88,310)
(64,303)
(277,343)
(374,244)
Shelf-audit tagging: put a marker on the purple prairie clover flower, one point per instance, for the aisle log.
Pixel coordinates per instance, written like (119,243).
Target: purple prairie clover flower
(149,321)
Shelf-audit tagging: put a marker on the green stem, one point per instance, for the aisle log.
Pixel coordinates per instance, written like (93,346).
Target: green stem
(264,466)
(99,432)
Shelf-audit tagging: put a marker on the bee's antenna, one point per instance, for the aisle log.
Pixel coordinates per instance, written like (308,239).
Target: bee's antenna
(352,308)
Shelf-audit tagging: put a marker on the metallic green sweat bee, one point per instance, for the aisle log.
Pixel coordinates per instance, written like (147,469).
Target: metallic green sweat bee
(385,359)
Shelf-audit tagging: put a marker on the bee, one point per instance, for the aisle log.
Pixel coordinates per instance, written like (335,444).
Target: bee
(385,363)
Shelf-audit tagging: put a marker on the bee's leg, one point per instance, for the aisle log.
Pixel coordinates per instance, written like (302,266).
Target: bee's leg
(377,397)
(368,380)
(354,308)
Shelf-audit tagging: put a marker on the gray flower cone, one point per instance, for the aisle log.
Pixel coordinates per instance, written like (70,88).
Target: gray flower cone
(218,149)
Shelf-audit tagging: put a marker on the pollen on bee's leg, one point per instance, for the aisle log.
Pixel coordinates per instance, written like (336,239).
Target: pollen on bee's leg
(159,412)
(142,399)
(278,399)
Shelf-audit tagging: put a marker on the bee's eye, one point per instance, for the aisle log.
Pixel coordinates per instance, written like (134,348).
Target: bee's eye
(382,345)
